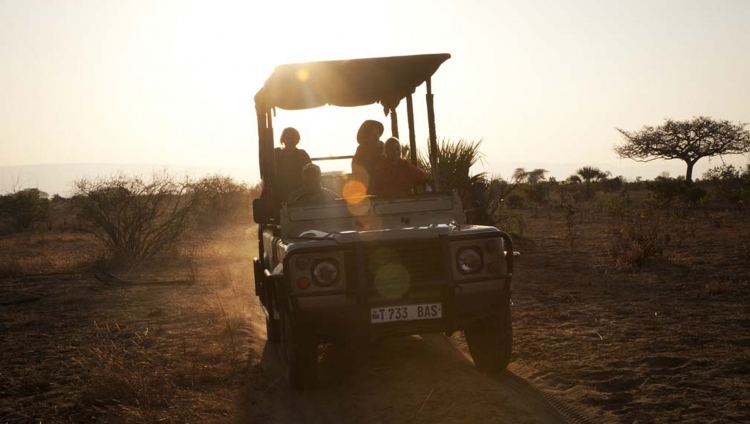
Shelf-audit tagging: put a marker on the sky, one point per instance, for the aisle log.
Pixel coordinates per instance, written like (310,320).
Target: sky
(541,83)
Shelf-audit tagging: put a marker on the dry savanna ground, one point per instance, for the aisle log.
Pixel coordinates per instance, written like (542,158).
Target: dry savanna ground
(182,339)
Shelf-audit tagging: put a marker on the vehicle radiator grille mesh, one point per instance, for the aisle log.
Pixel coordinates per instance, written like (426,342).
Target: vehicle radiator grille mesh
(407,264)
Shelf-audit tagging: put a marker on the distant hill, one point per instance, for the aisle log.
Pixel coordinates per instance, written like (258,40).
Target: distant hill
(58,178)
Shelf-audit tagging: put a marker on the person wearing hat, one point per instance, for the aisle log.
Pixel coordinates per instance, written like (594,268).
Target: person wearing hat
(369,151)
(394,175)
(312,190)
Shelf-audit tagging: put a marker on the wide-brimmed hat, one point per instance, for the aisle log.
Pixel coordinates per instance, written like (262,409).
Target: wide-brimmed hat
(368,126)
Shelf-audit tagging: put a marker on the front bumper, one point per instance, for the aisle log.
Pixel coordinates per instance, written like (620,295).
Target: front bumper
(347,315)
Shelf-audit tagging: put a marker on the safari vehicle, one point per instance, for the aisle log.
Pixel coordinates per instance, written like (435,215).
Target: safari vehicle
(365,267)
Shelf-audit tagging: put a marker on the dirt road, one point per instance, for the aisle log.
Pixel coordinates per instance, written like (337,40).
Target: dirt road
(428,379)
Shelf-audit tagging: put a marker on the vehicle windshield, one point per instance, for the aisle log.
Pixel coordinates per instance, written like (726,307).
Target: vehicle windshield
(371,213)
(329,210)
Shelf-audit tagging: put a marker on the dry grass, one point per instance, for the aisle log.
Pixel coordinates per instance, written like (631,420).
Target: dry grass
(640,346)
(10,268)
(47,253)
(141,351)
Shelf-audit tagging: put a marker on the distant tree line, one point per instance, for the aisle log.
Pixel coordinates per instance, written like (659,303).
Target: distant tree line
(134,217)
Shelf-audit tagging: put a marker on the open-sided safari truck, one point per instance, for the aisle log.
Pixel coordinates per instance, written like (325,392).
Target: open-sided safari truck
(365,267)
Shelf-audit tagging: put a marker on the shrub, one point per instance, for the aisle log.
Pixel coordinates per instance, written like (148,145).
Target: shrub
(729,184)
(223,200)
(24,209)
(538,194)
(515,201)
(135,218)
(665,190)
(639,238)
(614,184)
(616,204)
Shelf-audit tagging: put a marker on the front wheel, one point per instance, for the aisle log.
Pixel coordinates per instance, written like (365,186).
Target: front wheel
(273,328)
(301,352)
(490,342)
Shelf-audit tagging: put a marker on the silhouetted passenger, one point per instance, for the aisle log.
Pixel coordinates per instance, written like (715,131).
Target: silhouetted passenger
(394,175)
(312,190)
(369,151)
(289,163)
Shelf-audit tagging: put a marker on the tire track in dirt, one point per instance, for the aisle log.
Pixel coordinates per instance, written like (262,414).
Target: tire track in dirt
(416,379)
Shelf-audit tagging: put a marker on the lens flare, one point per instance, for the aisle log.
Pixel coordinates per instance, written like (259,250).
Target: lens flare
(354,192)
(392,280)
(303,74)
(390,277)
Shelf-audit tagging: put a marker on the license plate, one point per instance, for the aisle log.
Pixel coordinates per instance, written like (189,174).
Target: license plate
(406,313)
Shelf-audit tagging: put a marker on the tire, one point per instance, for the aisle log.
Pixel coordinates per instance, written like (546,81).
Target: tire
(301,352)
(491,342)
(273,328)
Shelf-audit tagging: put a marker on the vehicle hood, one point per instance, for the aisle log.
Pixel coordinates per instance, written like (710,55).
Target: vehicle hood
(310,237)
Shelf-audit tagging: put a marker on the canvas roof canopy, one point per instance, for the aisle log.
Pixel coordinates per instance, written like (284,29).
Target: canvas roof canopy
(356,82)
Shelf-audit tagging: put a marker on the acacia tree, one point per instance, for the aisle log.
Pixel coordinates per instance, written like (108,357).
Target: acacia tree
(530,177)
(688,141)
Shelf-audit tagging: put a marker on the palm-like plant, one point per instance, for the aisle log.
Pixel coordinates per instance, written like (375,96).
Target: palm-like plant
(589,173)
(454,162)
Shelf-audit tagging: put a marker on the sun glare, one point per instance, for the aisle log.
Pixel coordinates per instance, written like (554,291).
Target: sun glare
(303,75)
(354,191)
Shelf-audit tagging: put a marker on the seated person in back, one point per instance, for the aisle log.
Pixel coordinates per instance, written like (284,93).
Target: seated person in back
(289,163)
(312,190)
(368,153)
(394,175)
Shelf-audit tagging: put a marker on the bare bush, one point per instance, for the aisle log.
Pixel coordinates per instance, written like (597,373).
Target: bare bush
(135,218)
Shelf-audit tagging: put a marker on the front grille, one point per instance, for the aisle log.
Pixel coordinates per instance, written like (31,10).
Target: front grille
(405,263)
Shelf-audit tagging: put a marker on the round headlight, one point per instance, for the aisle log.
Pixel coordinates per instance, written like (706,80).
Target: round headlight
(325,273)
(469,260)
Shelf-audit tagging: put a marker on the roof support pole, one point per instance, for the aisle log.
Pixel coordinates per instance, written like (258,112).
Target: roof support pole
(261,145)
(433,135)
(268,142)
(412,136)
(394,123)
